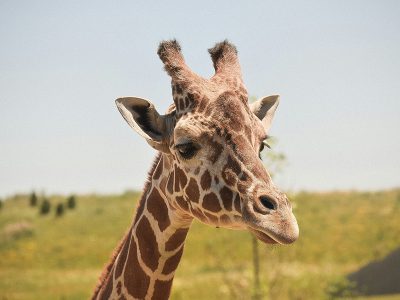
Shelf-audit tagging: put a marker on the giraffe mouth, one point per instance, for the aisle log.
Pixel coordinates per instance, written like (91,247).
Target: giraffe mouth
(263,237)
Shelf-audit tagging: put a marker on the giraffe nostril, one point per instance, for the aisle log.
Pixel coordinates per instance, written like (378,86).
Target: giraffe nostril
(268,202)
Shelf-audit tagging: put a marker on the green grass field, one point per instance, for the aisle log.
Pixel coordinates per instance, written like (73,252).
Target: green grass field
(45,257)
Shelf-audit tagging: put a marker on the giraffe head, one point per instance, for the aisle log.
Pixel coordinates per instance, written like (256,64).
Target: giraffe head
(211,138)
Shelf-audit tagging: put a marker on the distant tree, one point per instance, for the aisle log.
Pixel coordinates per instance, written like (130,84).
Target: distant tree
(71,202)
(33,199)
(1,204)
(59,209)
(45,207)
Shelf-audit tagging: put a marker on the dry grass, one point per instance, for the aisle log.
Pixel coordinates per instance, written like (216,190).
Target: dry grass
(61,258)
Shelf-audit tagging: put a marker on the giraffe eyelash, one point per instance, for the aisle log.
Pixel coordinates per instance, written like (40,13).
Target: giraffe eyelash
(266,144)
(187,150)
(262,146)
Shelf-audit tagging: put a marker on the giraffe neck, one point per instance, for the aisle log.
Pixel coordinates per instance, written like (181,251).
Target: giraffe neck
(145,263)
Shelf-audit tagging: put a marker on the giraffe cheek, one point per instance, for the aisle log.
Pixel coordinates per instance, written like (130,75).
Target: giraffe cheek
(229,177)
(205,180)
(226,196)
(170,184)
(211,203)
(242,187)
(237,204)
(192,191)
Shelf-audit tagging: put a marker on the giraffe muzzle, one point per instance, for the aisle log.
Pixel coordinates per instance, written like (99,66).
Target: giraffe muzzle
(269,222)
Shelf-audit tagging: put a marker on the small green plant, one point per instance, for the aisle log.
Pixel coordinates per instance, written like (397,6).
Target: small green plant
(71,202)
(33,199)
(59,209)
(340,288)
(45,207)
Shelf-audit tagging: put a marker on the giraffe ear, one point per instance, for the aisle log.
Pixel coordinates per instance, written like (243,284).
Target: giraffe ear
(265,108)
(141,115)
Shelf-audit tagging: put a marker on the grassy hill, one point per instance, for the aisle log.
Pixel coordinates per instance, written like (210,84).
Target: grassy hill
(49,257)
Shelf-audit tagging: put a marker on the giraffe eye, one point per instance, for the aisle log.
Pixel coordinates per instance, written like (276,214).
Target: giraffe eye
(187,150)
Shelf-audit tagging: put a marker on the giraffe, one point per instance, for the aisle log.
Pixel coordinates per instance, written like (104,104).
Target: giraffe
(207,167)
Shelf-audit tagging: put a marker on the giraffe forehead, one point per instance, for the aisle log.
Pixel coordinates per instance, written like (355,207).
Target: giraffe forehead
(221,114)
(231,113)
(228,125)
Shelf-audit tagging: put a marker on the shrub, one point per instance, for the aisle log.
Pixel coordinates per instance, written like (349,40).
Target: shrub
(341,287)
(71,202)
(45,207)
(33,199)
(59,209)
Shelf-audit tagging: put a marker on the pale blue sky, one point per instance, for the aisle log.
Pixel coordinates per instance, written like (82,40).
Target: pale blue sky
(336,65)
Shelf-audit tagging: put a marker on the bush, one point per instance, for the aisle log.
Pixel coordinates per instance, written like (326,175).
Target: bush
(340,288)
(45,207)
(71,202)
(59,209)
(33,199)
(1,203)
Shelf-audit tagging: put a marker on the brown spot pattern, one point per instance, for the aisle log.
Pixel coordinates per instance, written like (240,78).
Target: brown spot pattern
(233,165)
(138,279)
(196,172)
(226,196)
(163,183)
(162,289)
(211,217)
(140,207)
(211,203)
(172,263)
(225,219)
(176,239)
(180,179)
(230,171)
(122,256)
(158,208)
(182,203)
(170,184)
(237,203)
(228,176)
(148,245)
(159,169)
(192,190)
(187,101)
(242,187)
(205,180)
(106,293)
(198,214)
(216,150)
(119,287)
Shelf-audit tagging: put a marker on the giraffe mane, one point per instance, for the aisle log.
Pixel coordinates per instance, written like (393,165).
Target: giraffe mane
(108,267)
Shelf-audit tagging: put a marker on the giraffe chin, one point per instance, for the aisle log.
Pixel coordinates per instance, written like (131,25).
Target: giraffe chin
(263,237)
